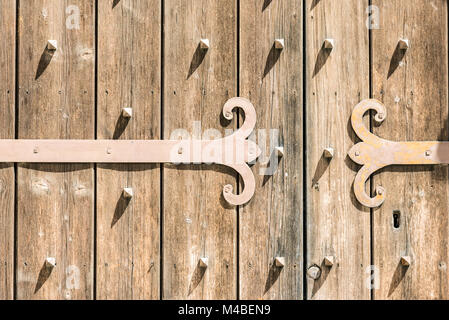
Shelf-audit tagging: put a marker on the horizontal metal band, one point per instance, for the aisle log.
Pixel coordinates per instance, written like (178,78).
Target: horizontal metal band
(224,151)
(85,151)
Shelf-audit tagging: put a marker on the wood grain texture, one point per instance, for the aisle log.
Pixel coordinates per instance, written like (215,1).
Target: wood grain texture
(129,73)
(197,222)
(7,119)
(55,202)
(55,210)
(336,81)
(413,87)
(271,224)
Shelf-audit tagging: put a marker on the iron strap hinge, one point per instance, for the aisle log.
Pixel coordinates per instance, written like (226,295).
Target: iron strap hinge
(374,153)
(233,151)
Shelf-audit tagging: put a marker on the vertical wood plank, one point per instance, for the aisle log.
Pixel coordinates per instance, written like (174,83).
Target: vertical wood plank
(271,224)
(55,202)
(336,81)
(129,73)
(413,87)
(7,103)
(197,221)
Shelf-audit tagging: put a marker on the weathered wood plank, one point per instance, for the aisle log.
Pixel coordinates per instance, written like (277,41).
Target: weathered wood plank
(7,103)
(197,221)
(129,73)
(55,202)
(336,81)
(413,87)
(271,224)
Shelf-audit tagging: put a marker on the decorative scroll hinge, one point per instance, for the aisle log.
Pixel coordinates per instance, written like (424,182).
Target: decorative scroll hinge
(233,151)
(375,153)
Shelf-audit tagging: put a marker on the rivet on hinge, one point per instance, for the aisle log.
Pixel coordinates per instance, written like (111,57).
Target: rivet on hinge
(204,44)
(380,190)
(52,45)
(143,151)
(329,44)
(127,113)
(228,115)
(128,193)
(227,189)
(279,44)
(203,262)
(279,262)
(380,117)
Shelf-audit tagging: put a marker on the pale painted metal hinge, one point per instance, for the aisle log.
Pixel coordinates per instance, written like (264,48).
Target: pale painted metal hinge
(233,151)
(375,153)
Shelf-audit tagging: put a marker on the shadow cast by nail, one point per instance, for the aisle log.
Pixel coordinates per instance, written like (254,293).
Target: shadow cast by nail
(317,284)
(321,59)
(272,58)
(120,208)
(321,168)
(396,59)
(270,171)
(44,274)
(151,267)
(115,3)
(397,278)
(273,276)
(197,276)
(266,3)
(44,61)
(197,59)
(120,127)
(314,4)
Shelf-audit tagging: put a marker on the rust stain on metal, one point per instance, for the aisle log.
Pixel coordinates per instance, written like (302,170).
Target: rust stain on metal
(375,153)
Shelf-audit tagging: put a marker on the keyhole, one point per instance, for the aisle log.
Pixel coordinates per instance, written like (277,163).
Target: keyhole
(396,219)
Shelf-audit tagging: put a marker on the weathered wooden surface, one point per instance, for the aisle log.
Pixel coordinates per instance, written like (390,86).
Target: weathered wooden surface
(55,211)
(413,87)
(7,103)
(129,76)
(149,60)
(272,80)
(336,81)
(197,222)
